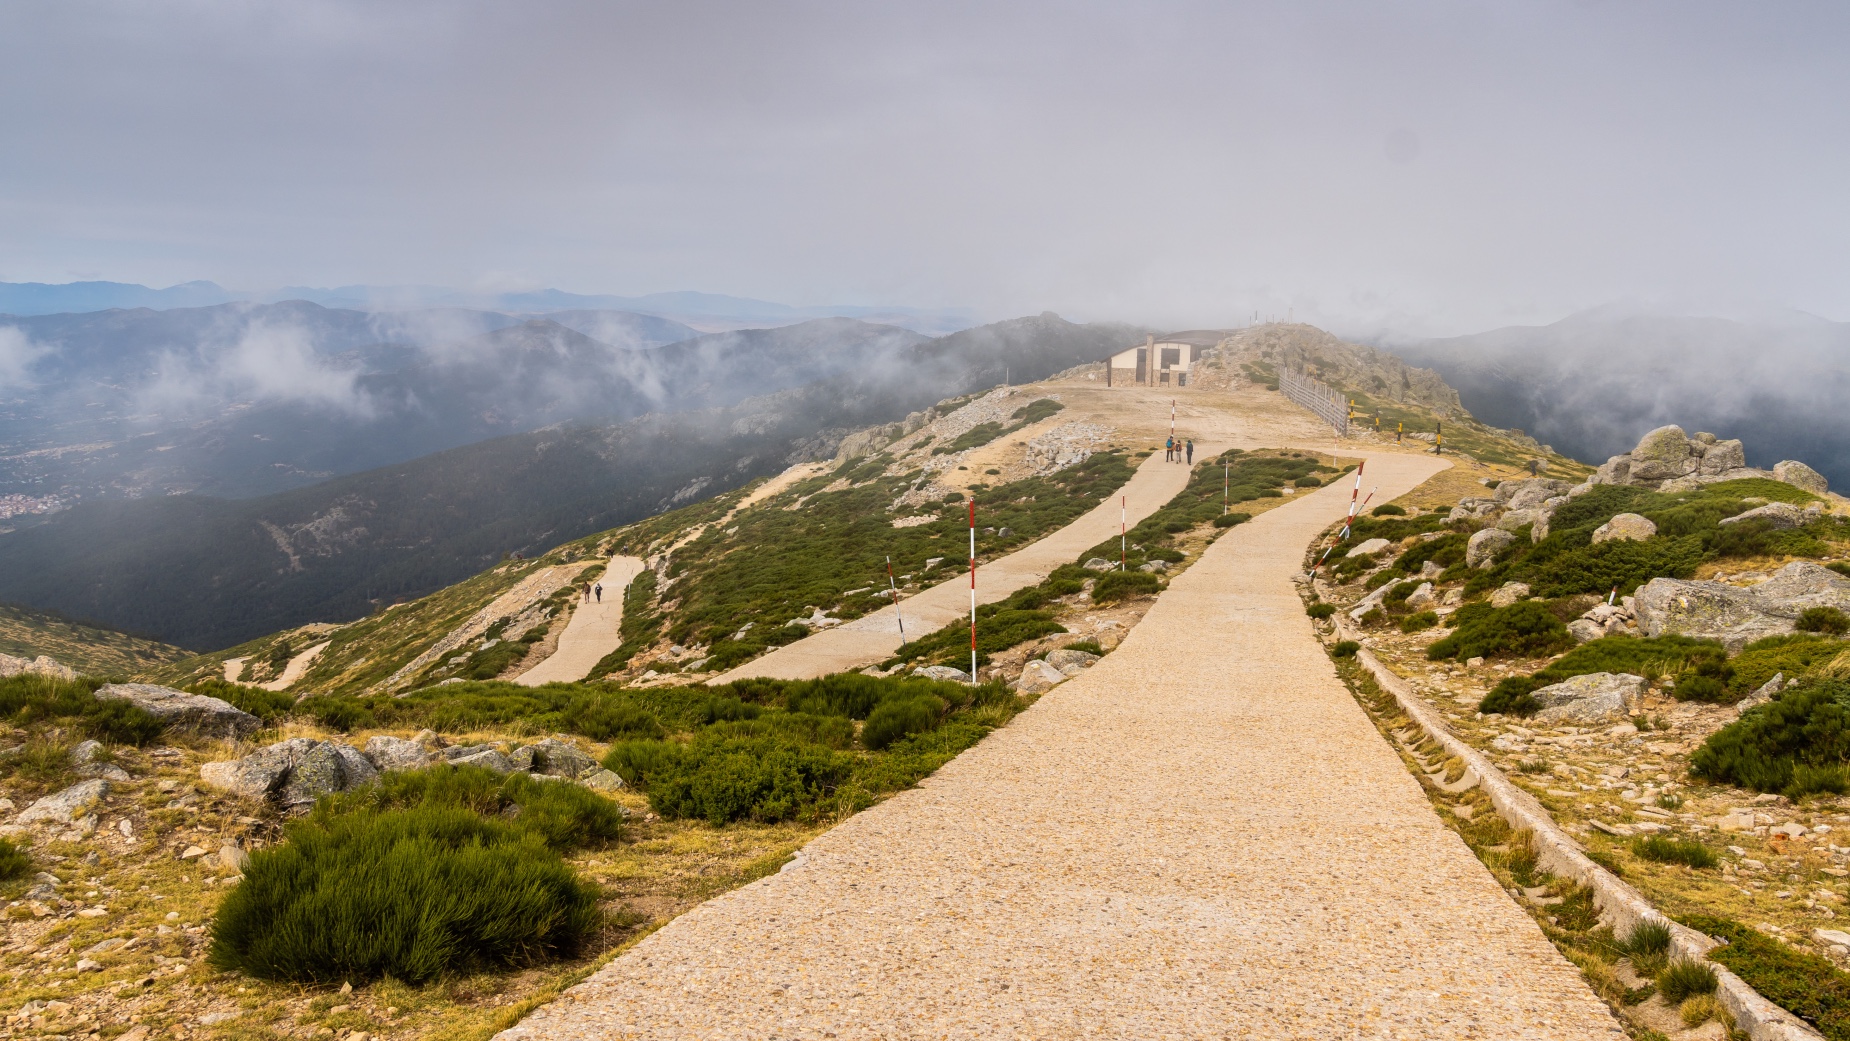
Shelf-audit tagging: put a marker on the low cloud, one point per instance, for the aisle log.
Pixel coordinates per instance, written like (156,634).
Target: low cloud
(269,363)
(17,353)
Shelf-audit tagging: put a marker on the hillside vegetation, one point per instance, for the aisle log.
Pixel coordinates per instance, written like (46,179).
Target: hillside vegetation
(25,633)
(208,573)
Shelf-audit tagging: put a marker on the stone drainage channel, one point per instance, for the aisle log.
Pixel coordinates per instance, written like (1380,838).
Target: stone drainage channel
(1621,905)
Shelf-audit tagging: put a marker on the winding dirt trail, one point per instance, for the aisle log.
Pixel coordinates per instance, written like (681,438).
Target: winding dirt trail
(1202,836)
(875,636)
(594,631)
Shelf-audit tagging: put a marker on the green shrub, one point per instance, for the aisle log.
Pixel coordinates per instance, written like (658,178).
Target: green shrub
(1320,610)
(1413,623)
(1806,985)
(267,705)
(1307,481)
(975,437)
(1445,551)
(1036,410)
(14,863)
(1165,554)
(721,779)
(1823,620)
(414,894)
(1388,509)
(31,698)
(1809,724)
(1396,597)
(1113,586)
(1673,851)
(1513,696)
(1817,780)
(564,816)
(1629,654)
(121,723)
(1685,979)
(1707,682)
(896,719)
(603,718)
(1525,629)
(1228,520)
(1794,655)
(1345,649)
(638,761)
(338,713)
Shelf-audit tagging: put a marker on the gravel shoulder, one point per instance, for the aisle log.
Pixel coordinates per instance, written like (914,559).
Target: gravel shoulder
(1201,836)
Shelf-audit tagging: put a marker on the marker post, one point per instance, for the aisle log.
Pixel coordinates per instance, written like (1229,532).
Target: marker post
(1123,528)
(893,588)
(973,589)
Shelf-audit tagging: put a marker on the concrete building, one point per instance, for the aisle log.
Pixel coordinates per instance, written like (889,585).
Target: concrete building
(1159,363)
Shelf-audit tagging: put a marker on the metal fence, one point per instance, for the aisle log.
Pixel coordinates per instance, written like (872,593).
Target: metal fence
(1329,405)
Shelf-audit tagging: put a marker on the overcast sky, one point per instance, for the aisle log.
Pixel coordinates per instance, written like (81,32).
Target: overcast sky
(1439,167)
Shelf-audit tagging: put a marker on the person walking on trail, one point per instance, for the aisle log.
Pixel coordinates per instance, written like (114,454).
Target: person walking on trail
(587,592)
(599,590)
(1191,451)
(1169,450)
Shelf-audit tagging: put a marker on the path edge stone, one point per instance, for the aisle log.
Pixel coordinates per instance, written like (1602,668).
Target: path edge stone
(1557,851)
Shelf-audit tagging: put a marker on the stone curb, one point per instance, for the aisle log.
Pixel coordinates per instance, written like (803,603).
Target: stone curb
(1623,906)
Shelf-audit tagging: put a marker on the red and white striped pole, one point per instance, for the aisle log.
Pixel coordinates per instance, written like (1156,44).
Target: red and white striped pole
(893,588)
(1124,510)
(972,589)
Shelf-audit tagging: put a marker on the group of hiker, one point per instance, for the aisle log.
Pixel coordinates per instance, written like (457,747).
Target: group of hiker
(1177,450)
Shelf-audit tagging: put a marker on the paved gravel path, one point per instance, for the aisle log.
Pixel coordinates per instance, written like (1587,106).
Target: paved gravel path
(593,632)
(873,637)
(1200,837)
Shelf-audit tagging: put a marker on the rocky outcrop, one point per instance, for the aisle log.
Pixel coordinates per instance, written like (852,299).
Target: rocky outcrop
(1070,661)
(1482,549)
(1777,514)
(1368,548)
(1668,460)
(194,713)
(1601,620)
(1037,676)
(396,753)
(941,672)
(1625,527)
(1594,698)
(1764,693)
(1734,615)
(1508,593)
(1370,602)
(296,772)
(1529,494)
(554,758)
(39,666)
(486,756)
(68,806)
(292,773)
(1471,509)
(1799,475)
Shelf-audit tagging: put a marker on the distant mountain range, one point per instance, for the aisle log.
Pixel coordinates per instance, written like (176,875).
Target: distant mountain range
(1591,383)
(248,399)
(208,572)
(708,312)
